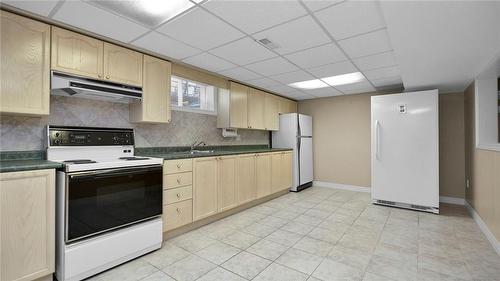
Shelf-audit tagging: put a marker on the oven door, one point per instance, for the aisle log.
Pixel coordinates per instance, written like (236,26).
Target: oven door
(103,200)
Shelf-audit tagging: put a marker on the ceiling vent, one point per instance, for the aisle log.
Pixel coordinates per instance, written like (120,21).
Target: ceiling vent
(268,43)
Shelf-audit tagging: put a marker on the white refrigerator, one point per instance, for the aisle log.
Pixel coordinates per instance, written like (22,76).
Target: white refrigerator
(295,131)
(405,150)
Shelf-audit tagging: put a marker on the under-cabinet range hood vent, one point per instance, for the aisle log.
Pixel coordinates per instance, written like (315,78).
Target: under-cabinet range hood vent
(73,86)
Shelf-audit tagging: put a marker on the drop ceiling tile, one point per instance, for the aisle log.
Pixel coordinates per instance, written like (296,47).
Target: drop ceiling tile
(296,35)
(263,82)
(315,5)
(333,69)
(282,89)
(299,95)
(272,66)
(366,44)
(356,88)
(91,18)
(389,81)
(292,77)
(376,61)
(351,18)
(209,62)
(41,7)
(316,56)
(165,45)
(253,16)
(323,92)
(243,51)
(200,29)
(382,72)
(240,73)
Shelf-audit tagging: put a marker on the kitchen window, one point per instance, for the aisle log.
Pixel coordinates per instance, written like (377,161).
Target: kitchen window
(187,95)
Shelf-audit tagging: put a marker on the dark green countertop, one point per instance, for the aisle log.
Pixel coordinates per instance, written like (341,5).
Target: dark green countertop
(169,153)
(14,161)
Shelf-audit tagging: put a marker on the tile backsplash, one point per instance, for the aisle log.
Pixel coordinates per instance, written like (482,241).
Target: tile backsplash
(28,133)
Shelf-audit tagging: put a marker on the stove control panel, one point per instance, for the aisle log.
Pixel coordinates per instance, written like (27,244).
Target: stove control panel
(89,136)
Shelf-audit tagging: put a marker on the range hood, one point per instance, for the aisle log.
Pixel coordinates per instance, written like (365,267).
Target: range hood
(67,85)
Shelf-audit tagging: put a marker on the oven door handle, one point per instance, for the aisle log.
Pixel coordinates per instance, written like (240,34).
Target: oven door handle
(115,172)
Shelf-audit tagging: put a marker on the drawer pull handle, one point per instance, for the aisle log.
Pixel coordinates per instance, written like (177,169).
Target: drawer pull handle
(178,210)
(178,180)
(178,195)
(179,166)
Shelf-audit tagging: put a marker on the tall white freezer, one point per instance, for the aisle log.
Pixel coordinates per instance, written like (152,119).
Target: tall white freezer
(405,150)
(295,132)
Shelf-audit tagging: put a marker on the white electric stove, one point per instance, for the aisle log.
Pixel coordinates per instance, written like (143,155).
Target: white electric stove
(108,201)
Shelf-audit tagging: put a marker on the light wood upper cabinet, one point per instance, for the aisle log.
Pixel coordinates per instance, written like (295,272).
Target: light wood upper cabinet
(287,106)
(204,187)
(263,174)
(27,223)
(25,66)
(155,104)
(245,178)
(226,189)
(271,113)
(256,101)
(77,54)
(238,105)
(122,65)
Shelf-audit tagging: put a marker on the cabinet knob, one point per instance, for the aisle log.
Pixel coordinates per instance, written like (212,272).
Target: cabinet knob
(178,195)
(178,210)
(179,166)
(99,75)
(107,76)
(178,180)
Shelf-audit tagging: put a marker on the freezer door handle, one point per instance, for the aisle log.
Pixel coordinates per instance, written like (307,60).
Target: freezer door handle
(377,140)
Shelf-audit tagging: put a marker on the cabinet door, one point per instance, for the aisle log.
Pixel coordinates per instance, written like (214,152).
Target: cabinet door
(204,187)
(287,106)
(122,65)
(256,101)
(271,113)
(276,182)
(292,107)
(238,106)
(245,178)
(155,104)
(286,170)
(226,189)
(25,65)
(263,174)
(76,54)
(27,221)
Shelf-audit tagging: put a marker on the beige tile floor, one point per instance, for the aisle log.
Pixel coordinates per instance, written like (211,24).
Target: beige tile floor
(323,234)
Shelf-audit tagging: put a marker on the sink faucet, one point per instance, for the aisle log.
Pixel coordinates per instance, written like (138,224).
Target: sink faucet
(197,144)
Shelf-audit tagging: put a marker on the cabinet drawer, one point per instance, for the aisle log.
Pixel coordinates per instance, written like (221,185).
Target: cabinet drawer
(175,195)
(176,180)
(177,166)
(177,214)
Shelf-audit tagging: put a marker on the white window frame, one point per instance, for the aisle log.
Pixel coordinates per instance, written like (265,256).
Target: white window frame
(193,110)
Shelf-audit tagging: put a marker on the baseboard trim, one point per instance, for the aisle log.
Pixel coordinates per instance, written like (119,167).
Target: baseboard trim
(342,186)
(484,228)
(452,200)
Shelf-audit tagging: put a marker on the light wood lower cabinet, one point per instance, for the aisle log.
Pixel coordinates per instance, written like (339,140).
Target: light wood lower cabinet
(226,189)
(155,104)
(204,187)
(177,214)
(245,178)
(27,223)
(25,66)
(281,169)
(263,174)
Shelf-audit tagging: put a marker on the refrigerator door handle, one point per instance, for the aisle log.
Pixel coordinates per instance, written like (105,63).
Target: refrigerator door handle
(377,140)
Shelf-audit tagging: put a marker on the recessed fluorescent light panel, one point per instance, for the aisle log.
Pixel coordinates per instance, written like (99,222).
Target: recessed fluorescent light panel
(343,79)
(148,12)
(309,84)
